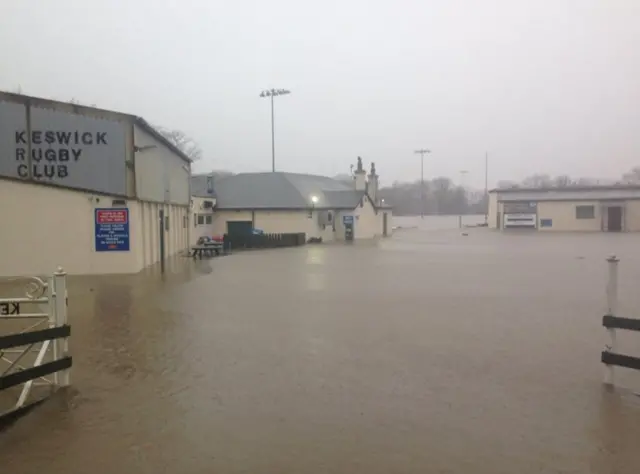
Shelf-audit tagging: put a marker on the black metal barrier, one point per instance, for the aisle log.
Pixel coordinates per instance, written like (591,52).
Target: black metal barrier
(261,241)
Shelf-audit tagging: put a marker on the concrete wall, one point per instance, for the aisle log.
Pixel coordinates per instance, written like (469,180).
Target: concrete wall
(632,216)
(46,226)
(201,220)
(493,210)
(563,214)
(368,223)
(161,175)
(176,237)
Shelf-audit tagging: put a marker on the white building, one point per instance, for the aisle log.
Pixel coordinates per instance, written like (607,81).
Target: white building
(277,202)
(573,208)
(203,203)
(84,188)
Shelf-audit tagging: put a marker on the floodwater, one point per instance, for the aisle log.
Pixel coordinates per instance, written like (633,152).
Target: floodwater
(430,352)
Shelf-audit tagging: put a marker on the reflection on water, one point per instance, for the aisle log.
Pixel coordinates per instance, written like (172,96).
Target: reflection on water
(428,352)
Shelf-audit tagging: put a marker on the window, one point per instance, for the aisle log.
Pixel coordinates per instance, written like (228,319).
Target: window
(310,215)
(185,222)
(195,220)
(200,220)
(585,212)
(209,219)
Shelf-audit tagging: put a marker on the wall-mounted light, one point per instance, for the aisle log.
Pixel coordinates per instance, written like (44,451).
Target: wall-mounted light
(314,200)
(137,148)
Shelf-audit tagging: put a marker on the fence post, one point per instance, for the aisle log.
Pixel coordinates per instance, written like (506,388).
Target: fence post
(53,320)
(612,310)
(62,344)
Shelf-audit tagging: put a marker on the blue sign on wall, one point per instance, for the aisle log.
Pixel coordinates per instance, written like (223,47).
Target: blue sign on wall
(347,220)
(112,230)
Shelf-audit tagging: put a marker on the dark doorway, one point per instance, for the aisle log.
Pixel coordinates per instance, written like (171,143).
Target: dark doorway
(614,219)
(498,216)
(384,224)
(239,227)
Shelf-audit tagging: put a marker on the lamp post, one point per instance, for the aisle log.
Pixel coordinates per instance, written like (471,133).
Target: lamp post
(462,174)
(422,151)
(271,93)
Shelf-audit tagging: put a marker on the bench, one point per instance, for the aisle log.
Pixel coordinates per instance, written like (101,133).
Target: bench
(206,250)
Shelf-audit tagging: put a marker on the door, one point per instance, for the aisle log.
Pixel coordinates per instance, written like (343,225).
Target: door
(384,224)
(239,227)
(614,219)
(348,231)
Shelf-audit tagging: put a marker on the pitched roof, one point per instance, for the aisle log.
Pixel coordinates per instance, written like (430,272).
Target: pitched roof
(568,189)
(283,191)
(199,186)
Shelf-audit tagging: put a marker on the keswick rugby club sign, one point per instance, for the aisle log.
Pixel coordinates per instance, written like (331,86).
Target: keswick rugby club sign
(60,148)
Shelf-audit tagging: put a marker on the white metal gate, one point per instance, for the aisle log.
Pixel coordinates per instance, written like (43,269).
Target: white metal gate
(34,349)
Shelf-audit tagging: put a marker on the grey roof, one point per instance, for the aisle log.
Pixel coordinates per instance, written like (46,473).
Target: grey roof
(283,191)
(568,194)
(199,186)
(568,189)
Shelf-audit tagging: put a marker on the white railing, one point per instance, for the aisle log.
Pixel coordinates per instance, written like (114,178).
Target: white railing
(34,347)
(612,322)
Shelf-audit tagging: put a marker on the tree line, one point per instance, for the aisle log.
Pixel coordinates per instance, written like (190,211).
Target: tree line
(438,196)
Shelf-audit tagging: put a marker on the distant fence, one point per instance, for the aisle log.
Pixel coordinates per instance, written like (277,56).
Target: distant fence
(29,354)
(259,241)
(610,356)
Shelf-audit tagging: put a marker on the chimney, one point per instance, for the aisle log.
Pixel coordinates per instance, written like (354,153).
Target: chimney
(360,176)
(373,184)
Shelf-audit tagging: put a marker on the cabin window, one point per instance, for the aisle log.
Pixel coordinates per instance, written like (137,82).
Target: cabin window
(585,212)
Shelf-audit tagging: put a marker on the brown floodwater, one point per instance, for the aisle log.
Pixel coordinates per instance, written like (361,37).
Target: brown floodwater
(429,352)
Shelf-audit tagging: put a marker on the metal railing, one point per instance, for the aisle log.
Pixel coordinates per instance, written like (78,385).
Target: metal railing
(610,356)
(34,349)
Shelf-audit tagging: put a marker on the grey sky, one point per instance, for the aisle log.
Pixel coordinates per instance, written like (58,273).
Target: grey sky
(543,85)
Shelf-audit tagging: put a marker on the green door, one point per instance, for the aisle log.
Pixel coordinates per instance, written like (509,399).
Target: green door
(239,227)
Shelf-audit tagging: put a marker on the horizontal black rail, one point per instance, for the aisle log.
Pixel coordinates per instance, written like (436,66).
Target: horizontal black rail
(616,322)
(32,337)
(25,375)
(9,418)
(620,360)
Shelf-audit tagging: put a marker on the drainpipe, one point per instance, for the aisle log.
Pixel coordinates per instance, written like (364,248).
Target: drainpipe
(189,205)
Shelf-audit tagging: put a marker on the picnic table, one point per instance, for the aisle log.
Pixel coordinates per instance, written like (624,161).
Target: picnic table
(206,249)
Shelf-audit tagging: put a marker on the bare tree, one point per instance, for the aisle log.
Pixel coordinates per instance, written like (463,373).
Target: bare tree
(632,176)
(504,184)
(182,142)
(562,181)
(537,181)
